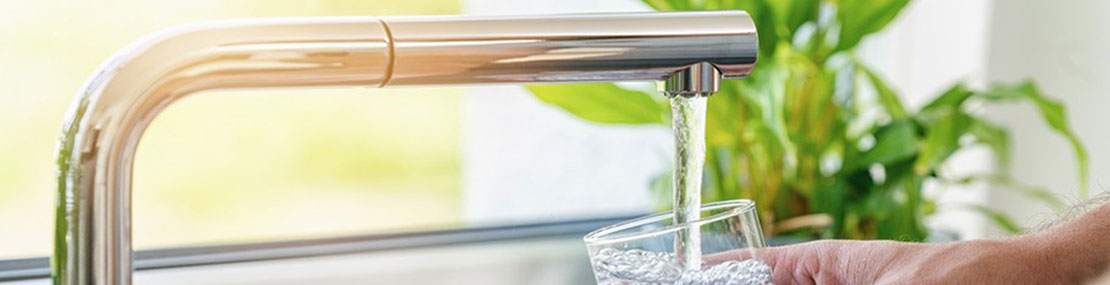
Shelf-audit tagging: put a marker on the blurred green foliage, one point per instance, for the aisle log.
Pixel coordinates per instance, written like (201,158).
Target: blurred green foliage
(800,137)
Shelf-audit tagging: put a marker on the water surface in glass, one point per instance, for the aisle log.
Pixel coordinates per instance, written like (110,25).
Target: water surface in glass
(641,251)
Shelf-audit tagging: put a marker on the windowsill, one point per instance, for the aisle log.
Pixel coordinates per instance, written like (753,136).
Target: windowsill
(473,254)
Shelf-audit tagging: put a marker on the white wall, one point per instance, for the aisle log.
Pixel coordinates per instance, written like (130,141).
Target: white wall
(1065,46)
(525,161)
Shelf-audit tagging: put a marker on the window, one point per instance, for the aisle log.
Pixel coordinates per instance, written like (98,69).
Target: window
(245,167)
(225,166)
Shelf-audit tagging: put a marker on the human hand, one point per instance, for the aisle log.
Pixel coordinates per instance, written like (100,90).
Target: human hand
(887,262)
(1074,252)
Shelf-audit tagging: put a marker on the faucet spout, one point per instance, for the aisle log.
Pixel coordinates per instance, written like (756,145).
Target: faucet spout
(92,242)
(699,79)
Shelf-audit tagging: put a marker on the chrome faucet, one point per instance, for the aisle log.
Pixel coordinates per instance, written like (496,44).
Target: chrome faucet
(686,51)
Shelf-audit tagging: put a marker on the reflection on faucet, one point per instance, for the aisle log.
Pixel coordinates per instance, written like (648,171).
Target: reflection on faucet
(688,50)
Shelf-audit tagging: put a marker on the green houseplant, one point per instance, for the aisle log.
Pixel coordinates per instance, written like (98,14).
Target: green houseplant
(816,137)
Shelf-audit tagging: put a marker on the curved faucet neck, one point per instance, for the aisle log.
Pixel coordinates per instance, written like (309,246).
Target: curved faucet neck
(107,120)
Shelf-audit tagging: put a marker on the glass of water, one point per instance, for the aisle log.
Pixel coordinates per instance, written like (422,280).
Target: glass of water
(643,250)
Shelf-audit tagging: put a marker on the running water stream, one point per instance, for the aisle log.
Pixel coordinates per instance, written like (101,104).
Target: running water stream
(684,266)
(688,119)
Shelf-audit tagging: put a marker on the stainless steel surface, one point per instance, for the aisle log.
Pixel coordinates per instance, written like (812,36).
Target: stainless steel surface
(616,47)
(36,268)
(700,79)
(106,121)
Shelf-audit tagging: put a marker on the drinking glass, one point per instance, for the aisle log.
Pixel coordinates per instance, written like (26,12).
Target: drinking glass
(642,250)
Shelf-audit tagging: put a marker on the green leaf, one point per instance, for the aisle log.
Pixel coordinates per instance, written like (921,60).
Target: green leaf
(887,97)
(1054,114)
(681,5)
(942,138)
(659,5)
(791,14)
(893,143)
(723,116)
(995,137)
(952,98)
(832,199)
(999,218)
(763,15)
(601,103)
(901,196)
(859,18)
(764,18)
(762,95)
